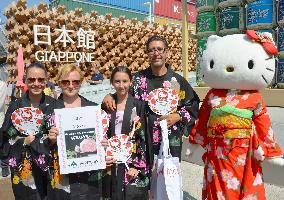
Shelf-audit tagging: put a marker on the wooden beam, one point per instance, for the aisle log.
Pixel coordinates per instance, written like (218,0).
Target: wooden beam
(184,40)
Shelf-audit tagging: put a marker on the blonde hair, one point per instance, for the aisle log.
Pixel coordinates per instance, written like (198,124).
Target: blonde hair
(68,68)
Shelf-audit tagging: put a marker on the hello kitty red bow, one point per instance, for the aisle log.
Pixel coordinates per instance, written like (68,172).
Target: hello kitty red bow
(264,40)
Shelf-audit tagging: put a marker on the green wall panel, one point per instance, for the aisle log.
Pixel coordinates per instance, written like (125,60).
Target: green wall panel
(102,10)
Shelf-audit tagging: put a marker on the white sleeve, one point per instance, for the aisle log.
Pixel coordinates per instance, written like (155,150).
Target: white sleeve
(3,94)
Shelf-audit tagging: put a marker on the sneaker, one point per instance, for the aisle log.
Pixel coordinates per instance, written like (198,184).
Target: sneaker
(5,171)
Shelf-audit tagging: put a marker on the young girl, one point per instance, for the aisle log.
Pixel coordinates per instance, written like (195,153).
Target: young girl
(120,183)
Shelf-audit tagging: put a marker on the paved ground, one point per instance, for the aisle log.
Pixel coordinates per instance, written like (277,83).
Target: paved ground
(277,118)
(193,183)
(6,189)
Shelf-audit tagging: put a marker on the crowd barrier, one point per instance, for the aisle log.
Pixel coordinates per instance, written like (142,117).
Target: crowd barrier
(94,93)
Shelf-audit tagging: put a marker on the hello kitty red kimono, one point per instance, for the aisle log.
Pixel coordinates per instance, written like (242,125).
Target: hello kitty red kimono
(235,130)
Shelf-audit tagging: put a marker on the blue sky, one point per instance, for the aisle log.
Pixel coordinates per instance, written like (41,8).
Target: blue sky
(5,3)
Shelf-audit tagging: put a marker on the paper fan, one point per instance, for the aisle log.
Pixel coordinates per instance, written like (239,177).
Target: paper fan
(105,121)
(27,120)
(163,101)
(120,147)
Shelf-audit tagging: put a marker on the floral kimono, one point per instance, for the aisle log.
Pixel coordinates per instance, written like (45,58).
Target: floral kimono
(84,185)
(28,181)
(117,185)
(235,130)
(144,82)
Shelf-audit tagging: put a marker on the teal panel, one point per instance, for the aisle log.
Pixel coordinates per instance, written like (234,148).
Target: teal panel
(102,10)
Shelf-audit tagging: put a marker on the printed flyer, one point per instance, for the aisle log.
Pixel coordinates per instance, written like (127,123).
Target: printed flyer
(79,139)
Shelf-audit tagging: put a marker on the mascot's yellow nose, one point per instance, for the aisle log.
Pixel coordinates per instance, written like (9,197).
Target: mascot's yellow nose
(230,69)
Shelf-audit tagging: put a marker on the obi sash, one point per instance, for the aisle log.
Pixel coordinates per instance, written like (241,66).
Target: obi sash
(230,122)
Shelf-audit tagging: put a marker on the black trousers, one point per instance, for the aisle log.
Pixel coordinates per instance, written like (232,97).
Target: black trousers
(135,193)
(80,189)
(57,194)
(114,189)
(22,192)
(40,178)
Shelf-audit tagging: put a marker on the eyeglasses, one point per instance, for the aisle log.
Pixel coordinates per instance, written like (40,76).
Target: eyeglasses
(33,80)
(67,83)
(159,50)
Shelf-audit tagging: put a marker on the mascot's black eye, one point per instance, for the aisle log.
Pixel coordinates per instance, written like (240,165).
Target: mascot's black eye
(250,64)
(211,64)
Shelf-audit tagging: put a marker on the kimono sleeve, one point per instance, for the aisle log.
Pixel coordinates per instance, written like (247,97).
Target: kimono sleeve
(139,86)
(41,147)
(40,151)
(11,143)
(265,135)
(139,158)
(8,130)
(188,108)
(199,132)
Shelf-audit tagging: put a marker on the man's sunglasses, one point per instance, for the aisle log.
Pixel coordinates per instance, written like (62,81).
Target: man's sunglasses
(33,80)
(67,83)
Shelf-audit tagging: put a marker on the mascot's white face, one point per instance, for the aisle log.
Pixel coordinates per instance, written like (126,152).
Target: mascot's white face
(235,62)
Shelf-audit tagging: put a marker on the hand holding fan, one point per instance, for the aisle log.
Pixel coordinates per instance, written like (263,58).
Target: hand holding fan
(120,148)
(27,120)
(163,101)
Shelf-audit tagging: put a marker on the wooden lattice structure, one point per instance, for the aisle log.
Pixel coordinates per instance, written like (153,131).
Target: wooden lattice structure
(118,41)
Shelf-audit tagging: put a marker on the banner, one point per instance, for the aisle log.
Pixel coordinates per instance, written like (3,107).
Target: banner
(79,139)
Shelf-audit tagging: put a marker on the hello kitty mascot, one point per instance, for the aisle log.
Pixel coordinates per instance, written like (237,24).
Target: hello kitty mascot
(234,126)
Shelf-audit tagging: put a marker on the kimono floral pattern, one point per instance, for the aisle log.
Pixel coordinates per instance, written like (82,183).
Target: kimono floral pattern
(23,174)
(56,178)
(156,131)
(233,164)
(20,166)
(187,106)
(40,160)
(12,162)
(138,159)
(142,81)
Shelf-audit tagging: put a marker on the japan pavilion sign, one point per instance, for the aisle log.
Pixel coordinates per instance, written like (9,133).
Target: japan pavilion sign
(85,39)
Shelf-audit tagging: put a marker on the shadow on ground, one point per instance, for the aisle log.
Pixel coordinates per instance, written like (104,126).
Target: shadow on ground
(187,196)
